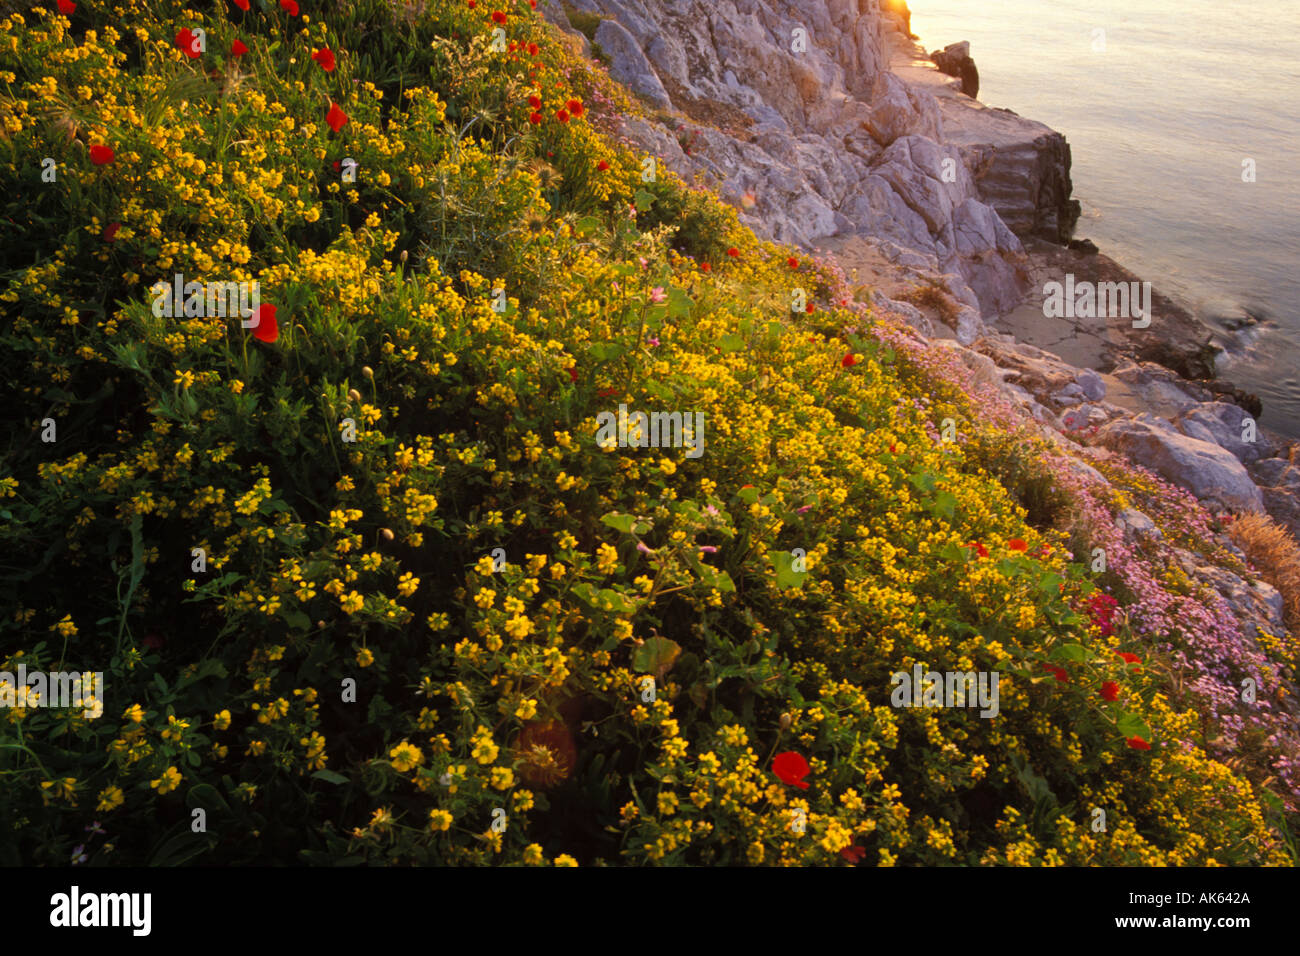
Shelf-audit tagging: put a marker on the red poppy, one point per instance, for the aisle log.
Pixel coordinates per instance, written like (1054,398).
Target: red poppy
(242,4)
(791,768)
(185,40)
(290,7)
(101,155)
(562,115)
(325,58)
(573,375)
(498,17)
(810,308)
(514,45)
(66,7)
(982,551)
(853,854)
(893,449)
(606,392)
(1137,743)
(267,328)
(792,262)
(532,49)
(1017,544)
(1129,658)
(336,118)
(575,107)
(1057,672)
(733,252)
(560,752)
(535,101)
(472,4)
(849,361)
(111,230)
(535,118)
(706,267)
(1110,690)
(603,165)
(337,165)
(238,49)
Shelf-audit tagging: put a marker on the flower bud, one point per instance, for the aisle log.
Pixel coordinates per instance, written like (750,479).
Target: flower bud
(367,371)
(354,395)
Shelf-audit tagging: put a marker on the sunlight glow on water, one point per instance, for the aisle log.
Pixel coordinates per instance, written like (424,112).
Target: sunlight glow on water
(1159,123)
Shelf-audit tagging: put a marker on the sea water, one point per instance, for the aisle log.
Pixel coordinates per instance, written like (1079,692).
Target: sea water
(1163,103)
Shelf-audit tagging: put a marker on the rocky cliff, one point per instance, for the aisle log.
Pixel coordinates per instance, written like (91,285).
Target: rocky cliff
(793,113)
(827,126)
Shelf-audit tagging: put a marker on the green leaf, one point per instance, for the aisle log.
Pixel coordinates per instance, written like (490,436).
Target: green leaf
(1131,725)
(604,351)
(644,200)
(586,225)
(1075,653)
(748,494)
(619,522)
(724,583)
(786,576)
(329,776)
(207,797)
(923,481)
(656,656)
(731,342)
(945,503)
(679,303)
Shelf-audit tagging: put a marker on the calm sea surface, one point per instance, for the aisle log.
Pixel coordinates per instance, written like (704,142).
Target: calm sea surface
(1159,123)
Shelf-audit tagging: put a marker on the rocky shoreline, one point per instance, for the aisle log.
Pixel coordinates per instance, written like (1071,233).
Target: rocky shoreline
(829,128)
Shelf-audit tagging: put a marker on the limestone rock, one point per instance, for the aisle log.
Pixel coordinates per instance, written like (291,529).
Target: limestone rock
(1208,471)
(628,64)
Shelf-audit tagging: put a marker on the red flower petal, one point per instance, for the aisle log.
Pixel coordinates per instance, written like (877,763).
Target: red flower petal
(791,768)
(606,392)
(532,49)
(111,230)
(535,101)
(325,58)
(1109,690)
(185,40)
(238,49)
(267,328)
(810,308)
(101,155)
(733,252)
(1017,544)
(706,267)
(1137,743)
(242,4)
(562,115)
(290,7)
(792,262)
(1129,658)
(66,7)
(573,375)
(853,854)
(575,107)
(535,118)
(336,118)
(498,17)
(848,361)
(603,165)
